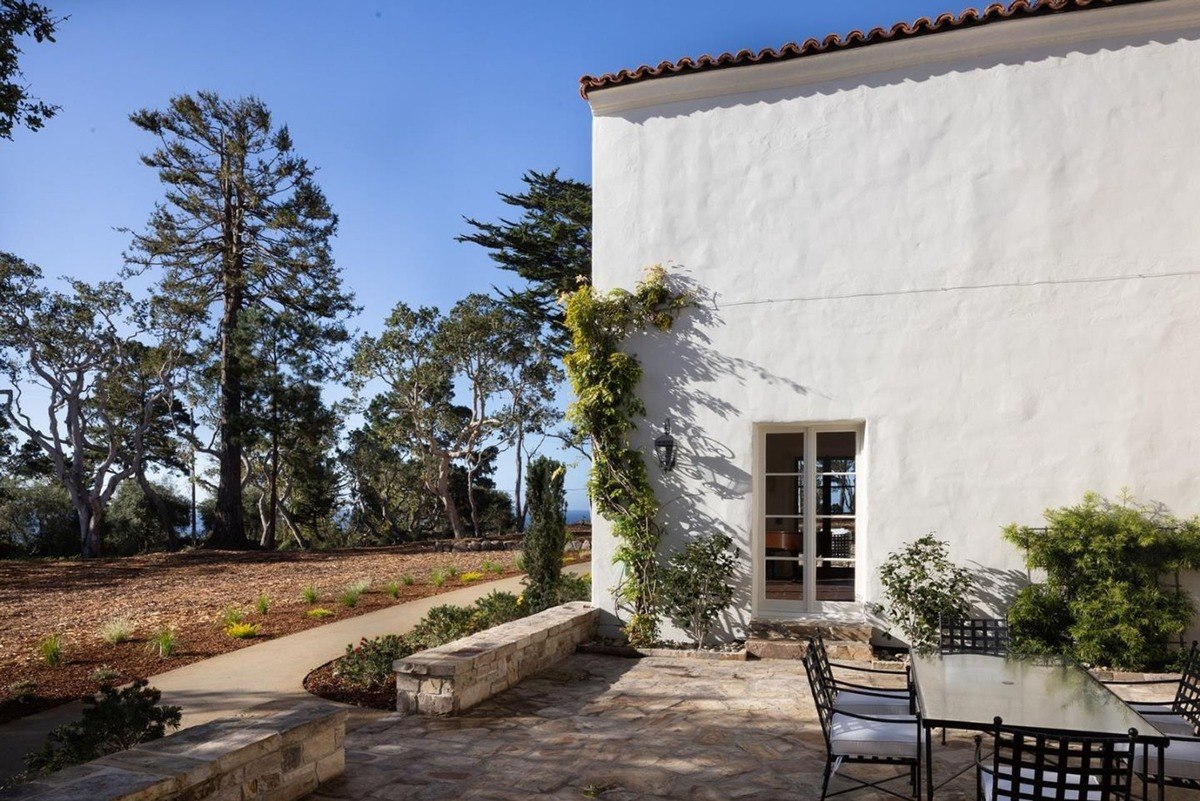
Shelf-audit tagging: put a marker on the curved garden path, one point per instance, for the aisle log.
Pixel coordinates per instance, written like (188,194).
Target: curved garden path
(270,674)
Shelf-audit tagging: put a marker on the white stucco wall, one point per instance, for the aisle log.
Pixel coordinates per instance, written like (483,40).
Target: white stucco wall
(991,262)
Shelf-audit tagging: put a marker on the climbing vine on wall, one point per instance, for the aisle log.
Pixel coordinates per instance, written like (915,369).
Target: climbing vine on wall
(605,379)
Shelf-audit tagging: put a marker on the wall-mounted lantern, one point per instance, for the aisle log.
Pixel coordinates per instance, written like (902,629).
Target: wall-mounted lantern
(664,448)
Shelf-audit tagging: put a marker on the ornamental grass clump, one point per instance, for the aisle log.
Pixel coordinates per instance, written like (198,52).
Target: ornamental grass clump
(392,588)
(310,595)
(230,615)
(1108,598)
(50,649)
(317,613)
(162,643)
(117,630)
(408,580)
(262,603)
(695,584)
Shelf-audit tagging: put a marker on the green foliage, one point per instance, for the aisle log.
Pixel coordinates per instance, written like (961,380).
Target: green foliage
(132,521)
(50,649)
(392,588)
(113,720)
(695,584)
(408,579)
(317,613)
(1103,600)
(20,18)
(310,594)
(498,607)
(604,377)
(489,566)
(105,674)
(519,562)
(243,631)
(451,571)
(438,577)
(442,624)
(574,587)
(369,666)
(920,586)
(547,533)
(549,246)
(262,603)
(471,575)
(163,643)
(350,597)
(37,519)
(231,616)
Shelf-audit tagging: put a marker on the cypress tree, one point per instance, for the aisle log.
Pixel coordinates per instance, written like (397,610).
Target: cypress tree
(547,533)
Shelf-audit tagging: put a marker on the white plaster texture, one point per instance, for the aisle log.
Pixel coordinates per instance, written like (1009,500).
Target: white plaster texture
(990,263)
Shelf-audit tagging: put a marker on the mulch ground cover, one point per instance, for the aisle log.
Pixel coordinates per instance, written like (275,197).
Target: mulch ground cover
(186,592)
(321,682)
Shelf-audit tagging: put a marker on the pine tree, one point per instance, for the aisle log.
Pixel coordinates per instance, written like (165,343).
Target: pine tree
(17,107)
(546,536)
(243,230)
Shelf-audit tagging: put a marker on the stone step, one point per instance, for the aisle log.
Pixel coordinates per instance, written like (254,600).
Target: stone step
(801,630)
(795,648)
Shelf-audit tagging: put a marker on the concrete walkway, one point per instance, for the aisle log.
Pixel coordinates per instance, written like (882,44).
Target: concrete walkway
(270,674)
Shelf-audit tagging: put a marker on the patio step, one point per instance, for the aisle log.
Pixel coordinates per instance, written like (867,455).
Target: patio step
(847,640)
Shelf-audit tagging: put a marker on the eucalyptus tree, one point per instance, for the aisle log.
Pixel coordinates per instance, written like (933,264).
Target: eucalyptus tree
(549,247)
(19,18)
(99,386)
(241,240)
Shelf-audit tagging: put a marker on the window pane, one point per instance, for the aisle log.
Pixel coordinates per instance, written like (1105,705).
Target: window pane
(835,558)
(836,494)
(785,453)
(785,495)
(835,452)
(784,580)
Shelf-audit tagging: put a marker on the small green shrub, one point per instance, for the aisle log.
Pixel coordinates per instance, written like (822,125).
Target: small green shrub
(695,584)
(920,586)
(443,624)
(1106,599)
(317,613)
(263,603)
(470,576)
(349,597)
(574,587)
(437,578)
(496,608)
(309,596)
(50,649)
(408,580)
(116,630)
(113,720)
(519,562)
(392,588)
(452,571)
(163,643)
(231,615)
(360,586)
(488,566)
(105,674)
(369,666)
(243,631)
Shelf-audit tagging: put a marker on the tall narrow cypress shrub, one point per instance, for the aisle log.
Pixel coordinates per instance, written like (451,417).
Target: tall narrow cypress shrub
(546,536)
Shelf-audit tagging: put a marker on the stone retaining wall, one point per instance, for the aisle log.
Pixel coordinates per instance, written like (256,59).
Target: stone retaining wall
(458,675)
(276,757)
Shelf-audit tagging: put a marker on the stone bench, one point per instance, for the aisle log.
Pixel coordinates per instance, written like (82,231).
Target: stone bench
(276,757)
(458,675)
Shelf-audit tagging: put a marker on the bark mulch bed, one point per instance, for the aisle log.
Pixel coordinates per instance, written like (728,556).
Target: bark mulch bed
(322,683)
(187,592)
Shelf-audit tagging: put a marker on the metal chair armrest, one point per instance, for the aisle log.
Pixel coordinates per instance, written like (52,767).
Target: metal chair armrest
(844,666)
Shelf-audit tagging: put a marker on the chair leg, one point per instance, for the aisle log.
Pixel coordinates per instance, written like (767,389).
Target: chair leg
(825,782)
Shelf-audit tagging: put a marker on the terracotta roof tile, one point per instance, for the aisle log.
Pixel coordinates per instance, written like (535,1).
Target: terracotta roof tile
(997,12)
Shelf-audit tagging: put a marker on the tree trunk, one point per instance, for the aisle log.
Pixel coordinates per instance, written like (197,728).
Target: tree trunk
(268,534)
(456,523)
(90,528)
(160,511)
(517,508)
(471,500)
(229,528)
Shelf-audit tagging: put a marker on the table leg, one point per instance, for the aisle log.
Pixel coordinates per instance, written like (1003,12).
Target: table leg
(929,763)
(1162,769)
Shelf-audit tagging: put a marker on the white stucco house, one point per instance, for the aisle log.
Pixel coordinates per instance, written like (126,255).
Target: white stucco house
(949,276)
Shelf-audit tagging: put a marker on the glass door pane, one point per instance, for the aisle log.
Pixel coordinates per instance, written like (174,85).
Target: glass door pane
(783,523)
(834,515)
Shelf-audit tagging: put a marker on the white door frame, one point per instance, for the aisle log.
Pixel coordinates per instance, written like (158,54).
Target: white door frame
(762,606)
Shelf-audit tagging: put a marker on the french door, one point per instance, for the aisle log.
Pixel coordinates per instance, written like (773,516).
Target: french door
(806,517)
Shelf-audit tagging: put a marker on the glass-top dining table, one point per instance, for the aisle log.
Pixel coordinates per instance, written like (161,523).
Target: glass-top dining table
(1047,693)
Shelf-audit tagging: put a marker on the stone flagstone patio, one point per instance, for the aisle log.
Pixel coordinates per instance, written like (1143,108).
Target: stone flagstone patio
(619,730)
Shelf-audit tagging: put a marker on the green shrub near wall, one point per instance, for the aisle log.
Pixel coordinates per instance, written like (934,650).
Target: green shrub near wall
(1109,597)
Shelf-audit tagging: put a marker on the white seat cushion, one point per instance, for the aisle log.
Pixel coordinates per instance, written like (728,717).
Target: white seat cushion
(1163,719)
(1027,787)
(1181,759)
(895,737)
(863,703)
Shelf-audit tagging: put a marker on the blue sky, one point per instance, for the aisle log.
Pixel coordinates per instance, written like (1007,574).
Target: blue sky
(415,113)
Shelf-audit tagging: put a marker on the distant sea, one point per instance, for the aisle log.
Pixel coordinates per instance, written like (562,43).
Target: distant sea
(579,516)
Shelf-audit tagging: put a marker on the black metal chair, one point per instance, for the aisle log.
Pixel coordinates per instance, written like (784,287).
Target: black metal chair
(1037,766)
(861,698)
(976,635)
(1179,716)
(854,738)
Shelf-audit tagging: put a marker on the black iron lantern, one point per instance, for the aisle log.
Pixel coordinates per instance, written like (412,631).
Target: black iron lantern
(664,448)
